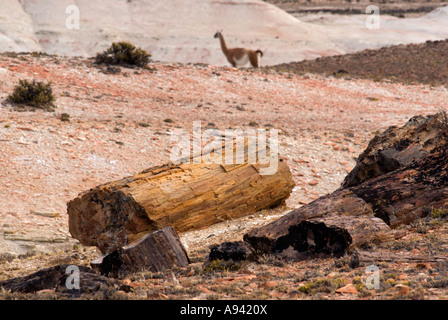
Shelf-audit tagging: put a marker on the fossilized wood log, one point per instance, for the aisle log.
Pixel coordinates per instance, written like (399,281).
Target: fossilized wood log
(399,146)
(155,252)
(362,258)
(330,225)
(331,235)
(344,203)
(187,196)
(334,234)
(398,197)
(56,278)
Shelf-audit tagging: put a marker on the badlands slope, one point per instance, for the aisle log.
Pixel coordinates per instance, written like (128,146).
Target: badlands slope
(182,31)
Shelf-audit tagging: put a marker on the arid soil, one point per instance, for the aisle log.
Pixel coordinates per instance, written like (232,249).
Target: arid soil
(395,8)
(120,122)
(180,31)
(414,63)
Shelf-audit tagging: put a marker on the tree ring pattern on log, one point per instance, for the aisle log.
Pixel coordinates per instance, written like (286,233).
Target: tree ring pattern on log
(123,221)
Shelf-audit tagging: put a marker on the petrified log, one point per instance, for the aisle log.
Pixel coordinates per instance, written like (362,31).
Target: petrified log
(399,146)
(361,258)
(329,224)
(155,252)
(331,235)
(396,198)
(334,234)
(56,278)
(343,203)
(187,196)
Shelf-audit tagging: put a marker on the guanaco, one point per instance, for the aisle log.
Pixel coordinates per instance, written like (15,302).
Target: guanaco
(239,57)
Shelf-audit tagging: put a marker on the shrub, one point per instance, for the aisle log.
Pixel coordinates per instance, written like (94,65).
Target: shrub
(34,94)
(322,286)
(221,265)
(439,213)
(65,117)
(125,54)
(253,124)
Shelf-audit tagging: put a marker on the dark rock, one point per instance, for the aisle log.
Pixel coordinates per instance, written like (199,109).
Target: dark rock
(236,251)
(56,278)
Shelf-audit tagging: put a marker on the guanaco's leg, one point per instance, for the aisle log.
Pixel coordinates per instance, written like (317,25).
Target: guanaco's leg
(253,58)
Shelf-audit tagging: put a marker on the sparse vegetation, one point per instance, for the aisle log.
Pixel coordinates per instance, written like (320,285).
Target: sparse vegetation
(270,276)
(439,213)
(253,124)
(341,262)
(125,54)
(221,265)
(33,94)
(323,285)
(65,117)
(437,282)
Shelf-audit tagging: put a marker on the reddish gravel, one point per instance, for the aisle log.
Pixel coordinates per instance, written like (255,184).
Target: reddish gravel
(117,128)
(117,125)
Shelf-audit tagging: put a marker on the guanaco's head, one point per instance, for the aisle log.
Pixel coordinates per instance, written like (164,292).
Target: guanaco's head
(217,34)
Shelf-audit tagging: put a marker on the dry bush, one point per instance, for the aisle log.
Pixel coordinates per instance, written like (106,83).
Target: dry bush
(33,94)
(125,54)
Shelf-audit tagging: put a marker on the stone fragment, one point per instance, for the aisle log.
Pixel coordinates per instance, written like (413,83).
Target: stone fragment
(236,251)
(348,289)
(402,289)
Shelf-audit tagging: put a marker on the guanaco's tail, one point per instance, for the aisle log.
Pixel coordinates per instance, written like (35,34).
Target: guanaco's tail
(260,52)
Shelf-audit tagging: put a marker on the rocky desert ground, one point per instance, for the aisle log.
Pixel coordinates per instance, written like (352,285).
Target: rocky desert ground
(111,123)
